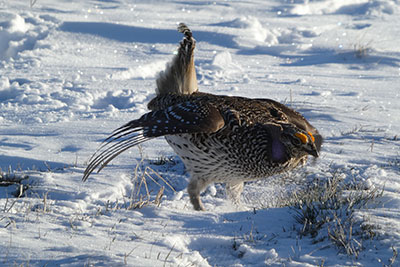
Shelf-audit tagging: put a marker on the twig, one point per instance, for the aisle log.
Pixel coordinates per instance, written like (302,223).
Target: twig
(32,2)
(169,253)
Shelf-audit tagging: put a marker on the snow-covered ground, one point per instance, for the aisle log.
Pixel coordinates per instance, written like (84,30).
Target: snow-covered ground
(73,71)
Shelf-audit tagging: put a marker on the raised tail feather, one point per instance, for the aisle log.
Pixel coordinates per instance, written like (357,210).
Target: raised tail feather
(179,77)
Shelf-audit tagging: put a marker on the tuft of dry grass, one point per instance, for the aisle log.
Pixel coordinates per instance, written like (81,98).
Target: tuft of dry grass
(16,179)
(326,210)
(361,51)
(141,194)
(145,182)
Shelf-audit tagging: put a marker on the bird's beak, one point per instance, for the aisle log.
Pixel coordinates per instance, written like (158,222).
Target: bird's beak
(312,150)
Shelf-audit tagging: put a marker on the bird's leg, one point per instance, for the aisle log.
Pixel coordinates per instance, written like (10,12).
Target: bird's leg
(194,188)
(233,191)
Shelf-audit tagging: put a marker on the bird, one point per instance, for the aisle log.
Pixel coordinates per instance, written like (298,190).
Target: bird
(219,138)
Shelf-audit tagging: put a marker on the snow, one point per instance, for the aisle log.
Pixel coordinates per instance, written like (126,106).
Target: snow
(73,71)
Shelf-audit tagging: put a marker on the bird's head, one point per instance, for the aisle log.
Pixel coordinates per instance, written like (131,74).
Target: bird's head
(302,142)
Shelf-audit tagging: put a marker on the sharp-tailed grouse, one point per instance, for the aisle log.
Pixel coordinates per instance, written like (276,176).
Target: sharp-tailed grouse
(219,138)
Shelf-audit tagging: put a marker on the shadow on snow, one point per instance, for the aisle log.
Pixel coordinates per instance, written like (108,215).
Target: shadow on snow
(326,56)
(125,33)
(21,163)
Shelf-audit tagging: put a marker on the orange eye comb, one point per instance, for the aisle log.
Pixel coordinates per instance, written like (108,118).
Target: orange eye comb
(302,137)
(311,136)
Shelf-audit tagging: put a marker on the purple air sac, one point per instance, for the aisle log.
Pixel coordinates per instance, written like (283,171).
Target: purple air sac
(278,151)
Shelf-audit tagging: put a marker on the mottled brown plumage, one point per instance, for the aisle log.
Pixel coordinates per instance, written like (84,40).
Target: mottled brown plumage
(219,138)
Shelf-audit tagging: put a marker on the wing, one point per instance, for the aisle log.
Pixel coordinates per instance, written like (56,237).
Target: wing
(184,118)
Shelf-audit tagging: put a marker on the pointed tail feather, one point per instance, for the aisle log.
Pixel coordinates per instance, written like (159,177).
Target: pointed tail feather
(122,139)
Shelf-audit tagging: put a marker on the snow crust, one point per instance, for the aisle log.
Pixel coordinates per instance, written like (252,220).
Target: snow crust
(73,71)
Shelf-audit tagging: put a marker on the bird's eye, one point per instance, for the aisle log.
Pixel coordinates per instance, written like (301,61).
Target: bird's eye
(296,141)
